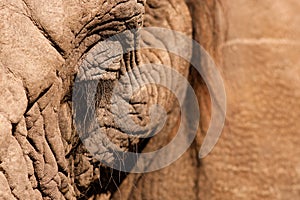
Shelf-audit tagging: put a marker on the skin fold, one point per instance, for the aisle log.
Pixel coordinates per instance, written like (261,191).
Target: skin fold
(45,47)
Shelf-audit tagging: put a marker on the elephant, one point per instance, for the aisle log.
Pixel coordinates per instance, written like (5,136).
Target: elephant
(48,48)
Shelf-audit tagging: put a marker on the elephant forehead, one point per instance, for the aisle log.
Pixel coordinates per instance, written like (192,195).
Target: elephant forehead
(65,20)
(42,35)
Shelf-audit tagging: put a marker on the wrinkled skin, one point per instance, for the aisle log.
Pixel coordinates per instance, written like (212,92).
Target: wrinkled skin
(255,45)
(48,45)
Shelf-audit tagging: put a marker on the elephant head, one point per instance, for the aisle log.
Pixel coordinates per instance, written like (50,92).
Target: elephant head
(59,51)
(55,52)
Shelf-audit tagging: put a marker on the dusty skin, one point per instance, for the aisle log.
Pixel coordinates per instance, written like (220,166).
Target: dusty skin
(255,45)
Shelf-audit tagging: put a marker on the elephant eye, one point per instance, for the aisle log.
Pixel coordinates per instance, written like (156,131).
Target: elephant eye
(99,71)
(101,62)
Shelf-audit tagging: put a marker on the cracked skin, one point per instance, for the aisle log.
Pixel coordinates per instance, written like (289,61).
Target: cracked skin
(256,47)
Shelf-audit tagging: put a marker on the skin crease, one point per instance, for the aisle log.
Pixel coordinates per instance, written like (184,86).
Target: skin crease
(256,48)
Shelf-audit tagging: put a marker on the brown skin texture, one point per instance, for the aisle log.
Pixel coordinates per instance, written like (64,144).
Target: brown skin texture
(255,45)
(42,46)
(256,48)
